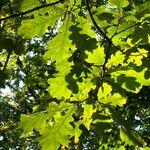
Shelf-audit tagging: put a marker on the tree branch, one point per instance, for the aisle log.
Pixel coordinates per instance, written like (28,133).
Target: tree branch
(108,40)
(103,73)
(31,10)
(94,22)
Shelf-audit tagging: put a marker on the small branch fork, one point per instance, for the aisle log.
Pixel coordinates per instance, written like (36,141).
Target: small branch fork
(31,10)
(106,38)
(94,22)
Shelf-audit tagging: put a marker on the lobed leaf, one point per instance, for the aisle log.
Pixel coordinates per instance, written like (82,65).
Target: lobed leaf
(59,133)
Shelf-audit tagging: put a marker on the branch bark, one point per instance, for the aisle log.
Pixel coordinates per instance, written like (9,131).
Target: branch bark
(95,23)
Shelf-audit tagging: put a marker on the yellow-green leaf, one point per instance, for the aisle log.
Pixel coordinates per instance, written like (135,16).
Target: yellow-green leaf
(131,137)
(58,87)
(30,122)
(87,115)
(119,3)
(60,46)
(29,4)
(58,133)
(96,56)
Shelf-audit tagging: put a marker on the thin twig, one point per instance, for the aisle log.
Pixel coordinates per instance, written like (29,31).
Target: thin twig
(106,56)
(31,10)
(125,29)
(117,27)
(6,62)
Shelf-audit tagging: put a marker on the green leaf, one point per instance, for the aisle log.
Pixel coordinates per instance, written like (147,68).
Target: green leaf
(53,108)
(29,4)
(34,27)
(84,87)
(104,91)
(59,132)
(96,56)
(77,131)
(63,67)
(60,46)
(121,148)
(82,37)
(116,59)
(115,99)
(141,34)
(119,3)
(105,96)
(104,16)
(131,137)
(49,1)
(134,56)
(131,80)
(38,26)
(85,27)
(30,122)
(122,31)
(58,87)
(102,124)
(137,57)
(142,10)
(87,115)
(146,148)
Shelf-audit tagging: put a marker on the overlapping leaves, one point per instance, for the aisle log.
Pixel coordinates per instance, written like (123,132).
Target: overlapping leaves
(51,124)
(80,62)
(39,24)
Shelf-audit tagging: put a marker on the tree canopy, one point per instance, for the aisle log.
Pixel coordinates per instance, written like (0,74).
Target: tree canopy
(75,74)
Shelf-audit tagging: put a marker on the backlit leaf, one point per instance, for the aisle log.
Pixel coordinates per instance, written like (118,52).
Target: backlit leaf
(131,80)
(84,88)
(57,134)
(131,137)
(96,56)
(104,91)
(29,4)
(78,131)
(87,115)
(60,46)
(114,99)
(30,122)
(38,26)
(105,96)
(58,88)
(119,3)
(34,27)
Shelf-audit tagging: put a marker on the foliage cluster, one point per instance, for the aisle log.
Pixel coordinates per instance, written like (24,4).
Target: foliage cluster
(79,74)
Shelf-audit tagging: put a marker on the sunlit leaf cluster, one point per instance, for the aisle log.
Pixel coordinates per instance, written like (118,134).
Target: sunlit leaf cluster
(99,51)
